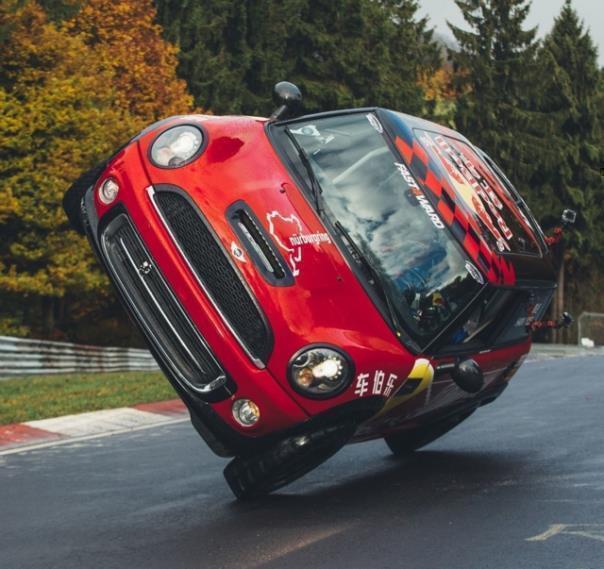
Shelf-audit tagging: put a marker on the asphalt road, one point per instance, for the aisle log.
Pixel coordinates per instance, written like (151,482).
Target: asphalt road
(519,485)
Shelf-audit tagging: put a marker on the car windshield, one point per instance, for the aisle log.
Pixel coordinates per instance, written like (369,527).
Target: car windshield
(371,194)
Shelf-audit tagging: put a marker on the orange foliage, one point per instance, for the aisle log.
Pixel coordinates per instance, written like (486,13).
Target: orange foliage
(70,94)
(57,118)
(439,85)
(127,41)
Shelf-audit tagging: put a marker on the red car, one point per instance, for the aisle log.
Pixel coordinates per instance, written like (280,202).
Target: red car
(313,281)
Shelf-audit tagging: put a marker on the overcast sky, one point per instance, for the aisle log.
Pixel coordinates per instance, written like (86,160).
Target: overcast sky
(542,14)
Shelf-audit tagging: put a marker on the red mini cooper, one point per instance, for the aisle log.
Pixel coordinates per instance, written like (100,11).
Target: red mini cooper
(312,281)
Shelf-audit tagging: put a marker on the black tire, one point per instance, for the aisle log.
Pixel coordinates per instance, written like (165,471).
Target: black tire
(72,198)
(253,476)
(405,442)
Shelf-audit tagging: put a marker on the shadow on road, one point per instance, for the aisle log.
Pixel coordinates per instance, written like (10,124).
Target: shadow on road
(395,481)
(392,493)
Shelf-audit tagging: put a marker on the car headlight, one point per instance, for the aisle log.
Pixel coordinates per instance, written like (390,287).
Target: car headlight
(246,412)
(320,372)
(108,191)
(177,146)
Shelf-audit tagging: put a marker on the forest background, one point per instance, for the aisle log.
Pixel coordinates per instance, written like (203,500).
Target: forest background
(78,78)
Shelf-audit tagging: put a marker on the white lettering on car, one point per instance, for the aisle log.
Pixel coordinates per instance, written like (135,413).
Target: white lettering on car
(375,384)
(292,244)
(484,194)
(362,385)
(419,196)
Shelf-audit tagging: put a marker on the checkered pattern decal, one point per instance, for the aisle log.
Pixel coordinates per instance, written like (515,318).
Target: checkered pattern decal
(438,190)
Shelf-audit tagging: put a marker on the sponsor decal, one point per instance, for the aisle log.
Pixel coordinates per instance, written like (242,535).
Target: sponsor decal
(419,195)
(288,233)
(375,123)
(473,188)
(377,383)
(237,252)
(474,273)
(380,383)
(418,382)
(314,238)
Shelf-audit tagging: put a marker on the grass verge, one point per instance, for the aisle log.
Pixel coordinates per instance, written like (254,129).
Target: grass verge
(41,397)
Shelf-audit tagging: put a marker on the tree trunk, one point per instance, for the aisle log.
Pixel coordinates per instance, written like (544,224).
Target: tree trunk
(559,300)
(48,316)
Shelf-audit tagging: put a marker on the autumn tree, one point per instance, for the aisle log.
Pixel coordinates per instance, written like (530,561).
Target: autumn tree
(57,119)
(439,94)
(126,41)
(69,96)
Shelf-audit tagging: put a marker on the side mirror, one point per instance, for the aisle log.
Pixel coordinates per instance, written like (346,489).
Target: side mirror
(569,217)
(288,97)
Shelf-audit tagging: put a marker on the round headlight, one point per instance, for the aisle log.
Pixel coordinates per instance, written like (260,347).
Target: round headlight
(320,372)
(176,146)
(246,412)
(108,191)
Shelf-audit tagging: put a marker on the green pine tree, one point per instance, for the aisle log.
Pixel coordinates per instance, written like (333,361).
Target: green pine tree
(213,59)
(568,175)
(358,53)
(59,10)
(570,90)
(495,66)
(341,53)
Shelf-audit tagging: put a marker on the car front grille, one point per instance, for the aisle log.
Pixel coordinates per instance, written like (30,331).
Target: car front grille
(215,272)
(165,324)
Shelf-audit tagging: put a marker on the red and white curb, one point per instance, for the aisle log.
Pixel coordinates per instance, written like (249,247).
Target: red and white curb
(19,437)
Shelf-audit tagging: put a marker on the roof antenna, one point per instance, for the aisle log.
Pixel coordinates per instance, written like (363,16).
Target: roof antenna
(288,97)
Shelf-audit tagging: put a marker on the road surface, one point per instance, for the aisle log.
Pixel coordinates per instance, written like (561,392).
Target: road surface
(519,485)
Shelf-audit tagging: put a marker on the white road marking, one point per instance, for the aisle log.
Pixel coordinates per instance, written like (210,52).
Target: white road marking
(589,531)
(553,530)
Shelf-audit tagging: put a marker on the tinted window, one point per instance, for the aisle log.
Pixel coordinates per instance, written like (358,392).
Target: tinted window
(500,316)
(376,199)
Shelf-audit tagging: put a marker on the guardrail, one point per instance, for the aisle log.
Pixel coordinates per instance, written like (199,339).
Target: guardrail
(564,350)
(19,356)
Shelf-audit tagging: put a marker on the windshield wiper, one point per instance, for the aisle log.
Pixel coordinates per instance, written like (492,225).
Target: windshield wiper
(374,277)
(315,186)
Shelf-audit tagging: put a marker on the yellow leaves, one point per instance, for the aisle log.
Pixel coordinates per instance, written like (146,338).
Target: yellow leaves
(439,94)
(143,63)
(72,93)
(438,85)
(9,206)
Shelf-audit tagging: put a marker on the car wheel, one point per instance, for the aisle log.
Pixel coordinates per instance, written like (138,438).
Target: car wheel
(405,442)
(253,476)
